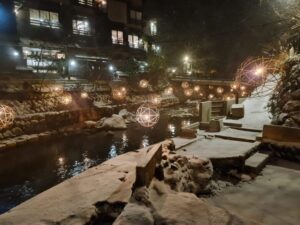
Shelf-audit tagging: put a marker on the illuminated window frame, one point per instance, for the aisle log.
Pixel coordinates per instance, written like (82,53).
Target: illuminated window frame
(81,26)
(43,18)
(117,37)
(86,2)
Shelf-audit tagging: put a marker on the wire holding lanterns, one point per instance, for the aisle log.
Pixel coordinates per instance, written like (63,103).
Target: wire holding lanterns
(66,99)
(147,115)
(7,116)
(144,84)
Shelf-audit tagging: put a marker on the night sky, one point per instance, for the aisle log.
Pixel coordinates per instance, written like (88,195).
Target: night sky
(218,34)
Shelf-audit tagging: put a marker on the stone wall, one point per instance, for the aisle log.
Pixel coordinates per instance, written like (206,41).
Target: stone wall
(285,102)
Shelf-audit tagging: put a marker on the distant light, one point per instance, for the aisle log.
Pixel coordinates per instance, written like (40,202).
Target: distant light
(197,88)
(16,11)
(243,88)
(84,95)
(73,63)
(16,53)
(111,68)
(173,70)
(186,58)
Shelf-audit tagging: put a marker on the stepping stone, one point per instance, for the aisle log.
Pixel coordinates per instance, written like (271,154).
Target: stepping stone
(256,162)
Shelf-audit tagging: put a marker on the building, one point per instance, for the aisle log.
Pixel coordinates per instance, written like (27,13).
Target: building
(89,39)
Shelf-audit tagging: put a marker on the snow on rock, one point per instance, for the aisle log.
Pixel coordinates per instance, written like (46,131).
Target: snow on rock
(128,116)
(113,122)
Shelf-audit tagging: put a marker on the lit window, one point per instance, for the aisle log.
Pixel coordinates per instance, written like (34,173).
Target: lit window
(117,37)
(86,2)
(102,4)
(43,60)
(44,18)
(135,16)
(133,41)
(81,26)
(153,28)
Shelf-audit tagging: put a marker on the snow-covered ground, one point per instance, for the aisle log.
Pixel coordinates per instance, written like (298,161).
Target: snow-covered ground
(256,112)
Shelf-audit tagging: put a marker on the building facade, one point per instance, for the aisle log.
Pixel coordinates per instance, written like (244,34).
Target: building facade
(76,38)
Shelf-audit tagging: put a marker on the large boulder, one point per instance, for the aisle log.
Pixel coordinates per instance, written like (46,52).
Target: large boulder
(127,116)
(114,122)
(292,106)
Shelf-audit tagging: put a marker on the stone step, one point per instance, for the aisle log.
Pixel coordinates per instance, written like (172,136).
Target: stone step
(256,162)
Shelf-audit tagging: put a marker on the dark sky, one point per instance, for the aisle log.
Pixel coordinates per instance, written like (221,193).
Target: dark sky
(218,34)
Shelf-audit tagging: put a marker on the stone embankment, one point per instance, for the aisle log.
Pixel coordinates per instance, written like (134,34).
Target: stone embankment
(110,194)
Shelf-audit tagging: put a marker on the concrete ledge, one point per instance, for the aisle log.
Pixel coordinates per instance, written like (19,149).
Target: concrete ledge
(281,135)
(145,168)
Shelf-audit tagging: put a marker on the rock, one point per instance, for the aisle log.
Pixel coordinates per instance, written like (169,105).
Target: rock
(114,122)
(296,95)
(135,214)
(245,178)
(296,117)
(8,134)
(90,124)
(17,131)
(128,116)
(292,106)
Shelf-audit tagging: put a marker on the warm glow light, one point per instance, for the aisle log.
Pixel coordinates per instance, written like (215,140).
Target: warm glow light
(169,91)
(147,115)
(211,96)
(144,83)
(186,58)
(156,99)
(119,93)
(66,99)
(188,92)
(220,90)
(197,88)
(185,85)
(243,88)
(73,63)
(84,95)
(259,71)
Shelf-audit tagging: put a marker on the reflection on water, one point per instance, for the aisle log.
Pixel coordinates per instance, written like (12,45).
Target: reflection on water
(172,129)
(29,170)
(145,142)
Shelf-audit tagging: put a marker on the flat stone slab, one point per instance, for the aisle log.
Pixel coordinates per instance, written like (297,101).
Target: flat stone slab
(218,148)
(182,142)
(239,135)
(111,181)
(256,162)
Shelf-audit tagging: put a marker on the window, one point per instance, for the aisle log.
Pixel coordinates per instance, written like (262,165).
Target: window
(117,37)
(43,60)
(44,18)
(81,26)
(135,16)
(153,28)
(135,42)
(86,2)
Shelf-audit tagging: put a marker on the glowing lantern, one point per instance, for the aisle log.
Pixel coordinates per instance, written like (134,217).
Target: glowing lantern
(84,95)
(211,87)
(144,83)
(7,116)
(156,99)
(124,90)
(243,88)
(185,85)
(188,92)
(197,88)
(201,94)
(118,94)
(211,96)
(169,91)
(66,99)
(234,86)
(147,115)
(220,90)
